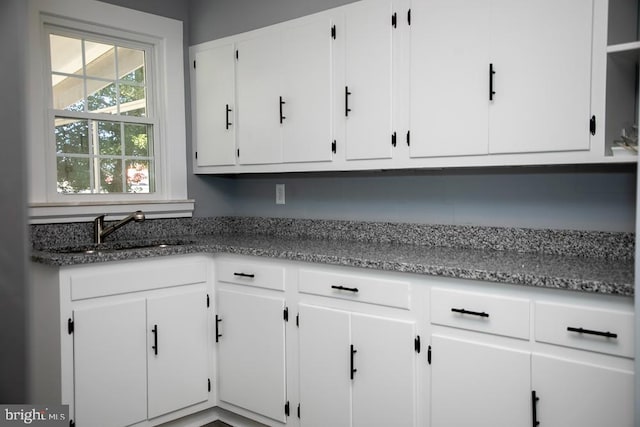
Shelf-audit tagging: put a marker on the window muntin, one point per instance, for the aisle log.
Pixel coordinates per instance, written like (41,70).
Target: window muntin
(102,113)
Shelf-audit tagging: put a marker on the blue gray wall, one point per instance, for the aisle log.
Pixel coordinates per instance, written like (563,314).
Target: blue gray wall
(13,193)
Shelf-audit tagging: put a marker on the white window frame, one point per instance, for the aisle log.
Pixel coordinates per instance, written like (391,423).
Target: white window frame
(165,35)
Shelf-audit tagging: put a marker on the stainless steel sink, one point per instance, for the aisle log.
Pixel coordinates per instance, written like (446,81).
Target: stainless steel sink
(121,246)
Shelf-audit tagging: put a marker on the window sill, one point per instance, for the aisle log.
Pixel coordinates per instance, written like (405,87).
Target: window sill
(45,213)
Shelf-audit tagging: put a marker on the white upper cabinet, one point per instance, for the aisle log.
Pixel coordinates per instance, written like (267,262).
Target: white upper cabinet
(541,56)
(214,98)
(368,92)
(259,99)
(307,90)
(449,105)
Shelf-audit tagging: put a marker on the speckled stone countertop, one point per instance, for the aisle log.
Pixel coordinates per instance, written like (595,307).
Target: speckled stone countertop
(584,261)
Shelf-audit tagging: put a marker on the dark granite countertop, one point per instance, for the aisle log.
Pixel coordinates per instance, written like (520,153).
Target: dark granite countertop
(547,270)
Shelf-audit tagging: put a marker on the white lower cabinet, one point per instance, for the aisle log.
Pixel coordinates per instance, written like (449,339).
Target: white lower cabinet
(477,384)
(355,369)
(571,393)
(146,357)
(251,352)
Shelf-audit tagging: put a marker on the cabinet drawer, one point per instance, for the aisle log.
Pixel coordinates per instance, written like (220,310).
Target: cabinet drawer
(362,288)
(604,331)
(481,312)
(251,274)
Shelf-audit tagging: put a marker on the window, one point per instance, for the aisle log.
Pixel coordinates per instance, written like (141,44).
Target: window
(106,109)
(103,120)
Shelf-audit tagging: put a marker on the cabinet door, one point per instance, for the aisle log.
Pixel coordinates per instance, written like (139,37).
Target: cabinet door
(258,99)
(110,364)
(541,53)
(178,372)
(480,385)
(368,51)
(251,353)
(449,77)
(325,384)
(579,394)
(215,106)
(384,388)
(307,90)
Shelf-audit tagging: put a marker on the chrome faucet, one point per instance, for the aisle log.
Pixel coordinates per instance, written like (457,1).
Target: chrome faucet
(100,231)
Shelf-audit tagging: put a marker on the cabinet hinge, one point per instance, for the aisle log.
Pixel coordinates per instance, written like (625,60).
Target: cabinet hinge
(207,300)
(393,139)
(237,55)
(286,314)
(592,125)
(298,320)
(429,355)
(70,326)
(194,64)
(333,32)
(333,146)
(209,384)
(394,20)
(72,423)
(298,410)
(286,408)
(196,154)
(408,138)
(416,344)
(409,17)
(238,152)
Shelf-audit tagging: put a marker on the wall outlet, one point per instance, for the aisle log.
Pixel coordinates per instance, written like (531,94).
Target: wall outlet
(279,194)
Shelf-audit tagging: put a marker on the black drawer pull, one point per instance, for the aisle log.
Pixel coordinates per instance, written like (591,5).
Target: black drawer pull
(251,276)
(155,339)
(491,91)
(218,320)
(353,353)
(344,288)
(591,332)
(472,313)
(281,116)
(347,110)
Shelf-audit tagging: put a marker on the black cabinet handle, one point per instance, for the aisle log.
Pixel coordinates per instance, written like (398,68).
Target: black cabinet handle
(592,332)
(472,313)
(218,320)
(227,115)
(534,409)
(344,288)
(491,91)
(155,339)
(352,356)
(281,104)
(245,275)
(346,101)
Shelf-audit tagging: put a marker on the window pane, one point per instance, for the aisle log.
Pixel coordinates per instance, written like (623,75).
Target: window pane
(66,54)
(132,100)
(72,136)
(131,65)
(74,175)
(68,93)
(111,176)
(109,139)
(102,96)
(139,176)
(138,140)
(100,60)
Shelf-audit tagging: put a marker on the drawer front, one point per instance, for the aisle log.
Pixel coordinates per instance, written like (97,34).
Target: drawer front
(251,274)
(604,331)
(481,312)
(114,279)
(362,288)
